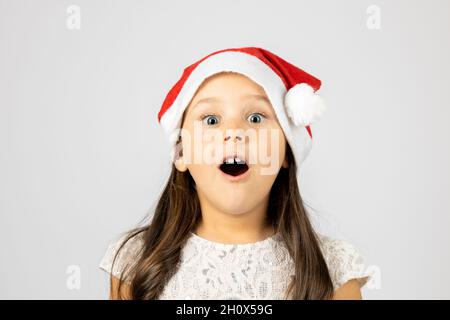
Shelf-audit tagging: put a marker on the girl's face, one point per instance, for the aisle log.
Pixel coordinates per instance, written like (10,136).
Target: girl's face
(232,143)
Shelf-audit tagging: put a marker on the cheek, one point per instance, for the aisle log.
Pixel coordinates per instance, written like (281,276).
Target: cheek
(202,148)
(197,172)
(271,144)
(204,176)
(282,148)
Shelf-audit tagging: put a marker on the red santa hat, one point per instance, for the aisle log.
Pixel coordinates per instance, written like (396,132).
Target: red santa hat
(291,91)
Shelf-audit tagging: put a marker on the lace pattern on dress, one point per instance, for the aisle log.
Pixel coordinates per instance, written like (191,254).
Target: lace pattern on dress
(126,257)
(260,270)
(344,262)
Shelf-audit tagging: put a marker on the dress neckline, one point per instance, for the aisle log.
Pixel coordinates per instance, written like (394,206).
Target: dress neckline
(219,245)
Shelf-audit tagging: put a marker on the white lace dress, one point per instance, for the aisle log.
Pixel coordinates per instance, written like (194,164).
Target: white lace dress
(259,270)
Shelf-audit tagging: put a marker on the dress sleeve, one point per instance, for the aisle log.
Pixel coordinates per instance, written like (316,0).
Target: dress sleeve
(126,257)
(344,262)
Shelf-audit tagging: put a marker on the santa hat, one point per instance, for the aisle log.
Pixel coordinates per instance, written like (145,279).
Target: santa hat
(291,91)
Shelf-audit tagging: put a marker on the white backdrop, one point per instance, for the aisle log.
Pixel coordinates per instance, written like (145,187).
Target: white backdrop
(83,157)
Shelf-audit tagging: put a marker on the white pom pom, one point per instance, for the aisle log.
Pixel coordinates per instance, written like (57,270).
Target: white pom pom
(303,105)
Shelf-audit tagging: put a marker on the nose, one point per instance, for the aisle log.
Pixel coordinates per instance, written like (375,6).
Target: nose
(234,130)
(233,142)
(236,137)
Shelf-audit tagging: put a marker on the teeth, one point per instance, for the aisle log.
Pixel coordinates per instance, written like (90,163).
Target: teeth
(229,161)
(235,160)
(238,160)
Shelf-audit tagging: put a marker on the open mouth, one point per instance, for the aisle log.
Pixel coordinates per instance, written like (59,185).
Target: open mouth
(234,166)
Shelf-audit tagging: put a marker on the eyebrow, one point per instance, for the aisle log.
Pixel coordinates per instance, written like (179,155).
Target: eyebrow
(247,97)
(257,97)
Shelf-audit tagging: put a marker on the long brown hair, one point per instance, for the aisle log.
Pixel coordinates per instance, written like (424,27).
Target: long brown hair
(177,213)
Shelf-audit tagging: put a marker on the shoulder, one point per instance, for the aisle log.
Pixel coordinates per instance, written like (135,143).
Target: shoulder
(121,254)
(344,261)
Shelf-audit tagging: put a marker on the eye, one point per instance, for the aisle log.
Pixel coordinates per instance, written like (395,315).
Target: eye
(210,120)
(255,117)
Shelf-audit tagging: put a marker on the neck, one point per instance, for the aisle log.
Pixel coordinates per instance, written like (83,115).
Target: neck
(243,227)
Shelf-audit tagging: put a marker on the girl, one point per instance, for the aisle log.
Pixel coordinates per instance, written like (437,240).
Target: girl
(230,222)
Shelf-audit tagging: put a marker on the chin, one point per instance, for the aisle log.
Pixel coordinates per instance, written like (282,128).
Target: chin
(235,211)
(235,206)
